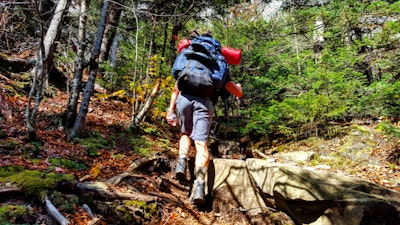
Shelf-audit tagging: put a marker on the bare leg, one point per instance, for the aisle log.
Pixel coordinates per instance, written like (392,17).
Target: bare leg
(184,144)
(201,165)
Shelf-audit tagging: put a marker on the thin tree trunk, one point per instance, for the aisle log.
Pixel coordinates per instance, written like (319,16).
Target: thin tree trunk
(51,36)
(296,42)
(37,82)
(79,66)
(139,117)
(94,66)
(319,29)
(36,89)
(110,32)
(135,67)
(43,64)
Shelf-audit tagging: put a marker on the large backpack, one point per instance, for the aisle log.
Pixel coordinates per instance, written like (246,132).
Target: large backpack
(201,69)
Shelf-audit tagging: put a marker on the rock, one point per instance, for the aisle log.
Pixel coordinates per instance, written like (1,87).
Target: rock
(308,197)
(299,156)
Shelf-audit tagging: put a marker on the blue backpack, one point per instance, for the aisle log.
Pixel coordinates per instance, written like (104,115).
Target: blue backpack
(201,69)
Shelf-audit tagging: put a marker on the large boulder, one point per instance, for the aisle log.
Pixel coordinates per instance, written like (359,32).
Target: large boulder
(308,197)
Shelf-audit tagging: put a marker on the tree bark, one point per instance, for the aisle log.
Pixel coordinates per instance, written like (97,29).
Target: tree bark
(51,35)
(79,66)
(103,190)
(139,117)
(52,210)
(94,66)
(43,64)
(111,29)
(319,41)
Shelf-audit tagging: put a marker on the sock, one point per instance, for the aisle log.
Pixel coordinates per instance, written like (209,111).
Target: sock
(201,173)
(183,152)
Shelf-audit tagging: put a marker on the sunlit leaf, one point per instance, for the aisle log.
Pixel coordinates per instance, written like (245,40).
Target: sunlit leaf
(94,171)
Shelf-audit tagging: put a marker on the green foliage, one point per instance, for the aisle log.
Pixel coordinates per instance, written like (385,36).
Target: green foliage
(389,129)
(293,93)
(290,89)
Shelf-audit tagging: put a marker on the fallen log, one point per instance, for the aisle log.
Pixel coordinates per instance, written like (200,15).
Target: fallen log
(101,189)
(7,190)
(16,65)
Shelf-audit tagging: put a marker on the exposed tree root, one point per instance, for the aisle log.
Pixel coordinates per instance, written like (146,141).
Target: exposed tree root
(102,189)
(57,216)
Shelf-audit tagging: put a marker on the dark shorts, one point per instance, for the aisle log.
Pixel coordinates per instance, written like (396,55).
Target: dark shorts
(195,116)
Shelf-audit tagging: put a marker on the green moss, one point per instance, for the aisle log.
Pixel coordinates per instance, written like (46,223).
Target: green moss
(124,214)
(11,143)
(118,156)
(164,143)
(148,209)
(3,134)
(64,203)
(94,143)
(68,164)
(34,183)
(15,214)
(9,170)
(142,146)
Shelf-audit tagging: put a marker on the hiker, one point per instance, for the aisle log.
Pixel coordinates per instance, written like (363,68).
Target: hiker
(195,112)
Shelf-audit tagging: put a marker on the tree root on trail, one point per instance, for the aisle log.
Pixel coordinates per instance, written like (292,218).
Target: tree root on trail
(52,210)
(102,189)
(137,194)
(128,172)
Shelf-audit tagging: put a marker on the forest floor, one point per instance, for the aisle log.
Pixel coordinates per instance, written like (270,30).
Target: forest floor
(101,161)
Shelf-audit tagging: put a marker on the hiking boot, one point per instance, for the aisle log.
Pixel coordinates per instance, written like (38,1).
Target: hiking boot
(198,192)
(180,170)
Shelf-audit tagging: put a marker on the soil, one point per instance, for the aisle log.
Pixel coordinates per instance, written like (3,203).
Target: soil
(152,177)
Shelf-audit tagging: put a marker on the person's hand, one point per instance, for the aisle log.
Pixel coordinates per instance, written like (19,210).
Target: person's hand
(171,118)
(240,87)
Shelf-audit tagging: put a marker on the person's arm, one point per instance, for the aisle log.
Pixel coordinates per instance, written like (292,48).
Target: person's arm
(174,96)
(171,116)
(235,89)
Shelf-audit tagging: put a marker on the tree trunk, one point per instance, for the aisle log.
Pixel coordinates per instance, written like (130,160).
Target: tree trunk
(297,48)
(111,29)
(51,36)
(139,117)
(36,88)
(79,66)
(94,66)
(319,29)
(43,64)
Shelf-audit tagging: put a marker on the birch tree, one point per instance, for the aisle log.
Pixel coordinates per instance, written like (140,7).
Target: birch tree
(44,62)
(79,66)
(94,67)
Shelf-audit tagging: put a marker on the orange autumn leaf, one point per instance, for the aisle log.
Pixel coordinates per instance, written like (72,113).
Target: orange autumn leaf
(94,171)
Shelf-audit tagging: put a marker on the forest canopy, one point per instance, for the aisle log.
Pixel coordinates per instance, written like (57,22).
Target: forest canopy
(305,65)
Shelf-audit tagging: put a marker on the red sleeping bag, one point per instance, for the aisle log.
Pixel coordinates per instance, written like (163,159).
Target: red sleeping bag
(232,55)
